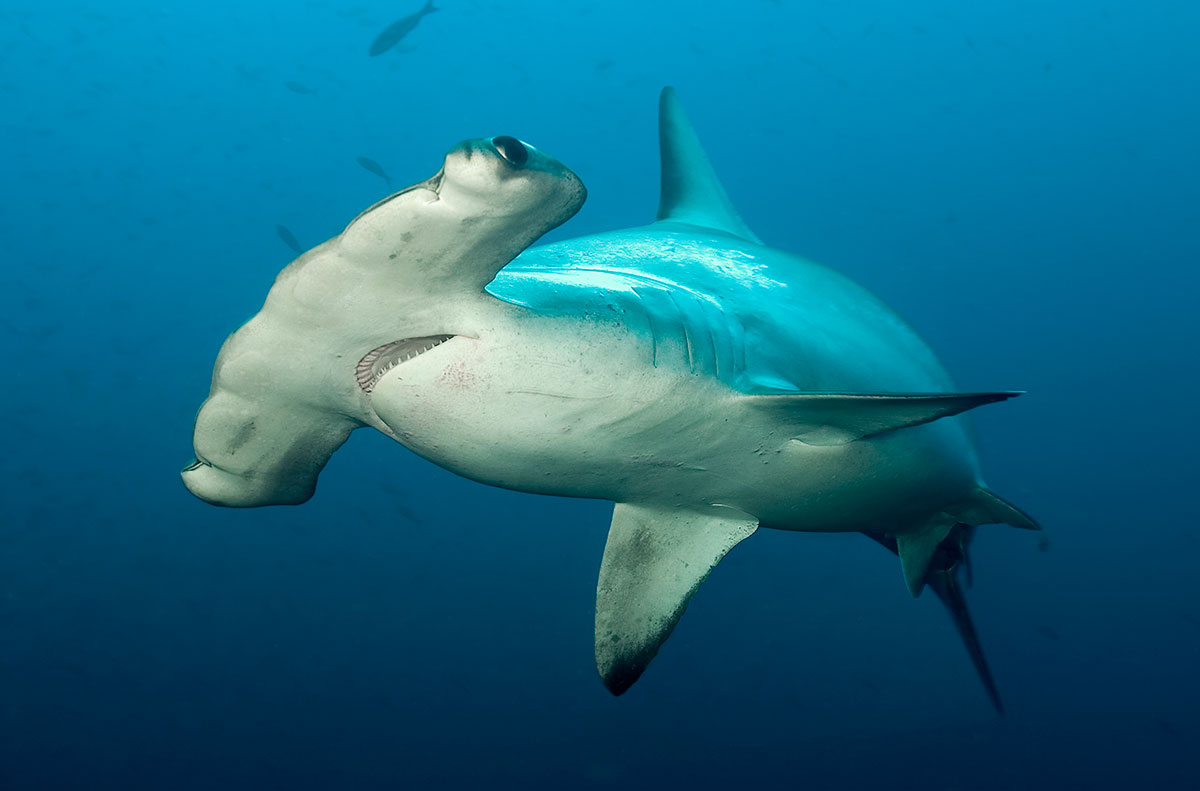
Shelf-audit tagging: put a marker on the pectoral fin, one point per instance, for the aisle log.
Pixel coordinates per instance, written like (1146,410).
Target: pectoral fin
(655,560)
(839,418)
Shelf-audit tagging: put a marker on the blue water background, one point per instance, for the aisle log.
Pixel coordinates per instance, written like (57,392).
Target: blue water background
(1018,179)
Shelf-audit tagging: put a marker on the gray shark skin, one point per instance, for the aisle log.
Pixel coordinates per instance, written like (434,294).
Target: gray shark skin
(705,383)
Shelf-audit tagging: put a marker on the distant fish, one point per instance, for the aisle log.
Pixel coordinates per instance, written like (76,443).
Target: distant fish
(399,29)
(289,238)
(371,166)
(299,87)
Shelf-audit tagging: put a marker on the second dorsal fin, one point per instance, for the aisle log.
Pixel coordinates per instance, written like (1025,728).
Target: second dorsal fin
(691,192)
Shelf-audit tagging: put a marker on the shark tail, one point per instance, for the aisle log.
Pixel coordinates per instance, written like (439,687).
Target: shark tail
(918,547)
(942,579)
(945,584)
(934,553)
(985,507)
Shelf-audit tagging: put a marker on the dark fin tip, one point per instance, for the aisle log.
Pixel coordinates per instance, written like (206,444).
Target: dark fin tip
(622,676)
(627,668)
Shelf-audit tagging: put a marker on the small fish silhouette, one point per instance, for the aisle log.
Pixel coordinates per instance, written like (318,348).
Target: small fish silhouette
(299,87)
(394,32)
(371,166)
(288,238)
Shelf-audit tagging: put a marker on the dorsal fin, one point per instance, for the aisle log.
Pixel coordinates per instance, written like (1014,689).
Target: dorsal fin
(691,192)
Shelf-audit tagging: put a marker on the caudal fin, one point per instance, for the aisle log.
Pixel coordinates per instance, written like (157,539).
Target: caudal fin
(941,576)
(932,552)
(944,583)
(985,507)
(919,544)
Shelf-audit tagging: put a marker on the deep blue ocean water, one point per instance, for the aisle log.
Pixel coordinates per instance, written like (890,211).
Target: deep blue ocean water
(1020,180)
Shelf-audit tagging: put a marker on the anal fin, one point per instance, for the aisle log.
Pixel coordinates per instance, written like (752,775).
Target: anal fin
(654,561)
(916,549)
(942,578)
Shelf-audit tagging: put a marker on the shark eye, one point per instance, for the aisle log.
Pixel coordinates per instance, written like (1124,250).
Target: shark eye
(512,149)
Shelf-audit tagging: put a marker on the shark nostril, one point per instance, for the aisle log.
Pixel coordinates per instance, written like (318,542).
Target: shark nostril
(512,149)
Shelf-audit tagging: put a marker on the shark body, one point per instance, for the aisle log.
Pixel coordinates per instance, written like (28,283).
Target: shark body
(705,383)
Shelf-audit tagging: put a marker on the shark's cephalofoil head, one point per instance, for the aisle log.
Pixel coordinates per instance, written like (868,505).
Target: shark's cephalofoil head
(512,149)
(503,177)
(491,199)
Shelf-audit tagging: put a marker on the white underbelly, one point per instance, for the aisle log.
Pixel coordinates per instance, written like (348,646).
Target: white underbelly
(591,419)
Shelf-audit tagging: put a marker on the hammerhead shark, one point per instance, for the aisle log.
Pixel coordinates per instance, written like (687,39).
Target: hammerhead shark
(707,384)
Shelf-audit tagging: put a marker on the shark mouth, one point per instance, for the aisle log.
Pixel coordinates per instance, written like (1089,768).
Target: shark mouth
(386,357)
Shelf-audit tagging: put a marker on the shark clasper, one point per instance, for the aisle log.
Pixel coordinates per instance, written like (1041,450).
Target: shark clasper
(707,384)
